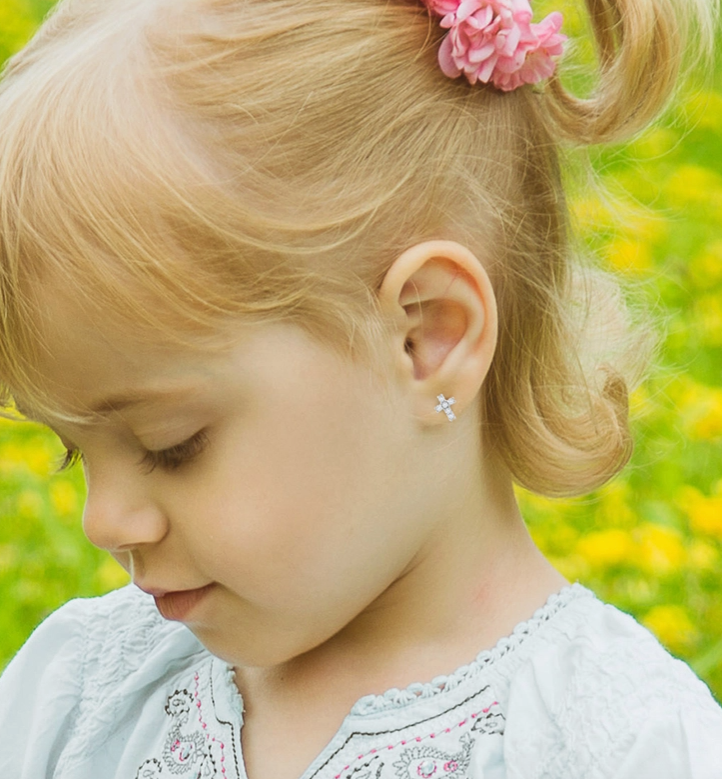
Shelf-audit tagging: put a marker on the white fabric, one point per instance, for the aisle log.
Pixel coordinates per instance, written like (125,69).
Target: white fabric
(106,689)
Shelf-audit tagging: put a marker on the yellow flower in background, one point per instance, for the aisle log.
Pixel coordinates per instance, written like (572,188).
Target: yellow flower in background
(573,567)
(11,459)
(16,26)
(703,556)
(655,143)
(64,498)
(41,458)
(629,255)
(693,185)
(646,225)
(709,425)
(635,228)
(110,575)
(705,513)
(706,267)
(592,213)
(550,529)
(660,550)
(708,309)
(604,548)
(614,509)
(704,109)
(700,408)
(29,505)
(641,402)
(37,455)
(672,626)
(613,211)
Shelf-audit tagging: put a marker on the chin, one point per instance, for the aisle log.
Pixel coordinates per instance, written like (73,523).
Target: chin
(243,652)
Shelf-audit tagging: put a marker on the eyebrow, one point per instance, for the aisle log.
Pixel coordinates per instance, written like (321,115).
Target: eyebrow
(125,400)
(119,402)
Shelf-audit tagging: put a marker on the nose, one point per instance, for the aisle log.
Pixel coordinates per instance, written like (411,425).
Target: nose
(121,514)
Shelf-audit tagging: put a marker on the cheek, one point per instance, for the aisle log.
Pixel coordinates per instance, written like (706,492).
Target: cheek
(299,500)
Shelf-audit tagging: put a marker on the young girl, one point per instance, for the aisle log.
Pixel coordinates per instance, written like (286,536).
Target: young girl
(292,278)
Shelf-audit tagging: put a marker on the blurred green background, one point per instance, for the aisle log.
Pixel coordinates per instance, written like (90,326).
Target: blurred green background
(650,542)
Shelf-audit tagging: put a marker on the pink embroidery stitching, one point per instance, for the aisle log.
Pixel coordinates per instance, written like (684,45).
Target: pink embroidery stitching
(186,750)
(453,765)
(221,745)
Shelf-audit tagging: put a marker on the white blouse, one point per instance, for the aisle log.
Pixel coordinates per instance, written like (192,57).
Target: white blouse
(107,689)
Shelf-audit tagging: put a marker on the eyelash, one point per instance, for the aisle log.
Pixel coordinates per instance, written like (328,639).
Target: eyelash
(71,458)
(175,456)
(169,459)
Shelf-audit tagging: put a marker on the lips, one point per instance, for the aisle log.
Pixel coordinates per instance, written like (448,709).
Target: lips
(177,606)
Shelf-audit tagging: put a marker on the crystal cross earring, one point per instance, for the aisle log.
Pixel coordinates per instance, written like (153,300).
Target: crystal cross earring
(445,405)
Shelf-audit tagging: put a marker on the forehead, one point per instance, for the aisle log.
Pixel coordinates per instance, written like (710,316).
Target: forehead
(93,361)
(86,356)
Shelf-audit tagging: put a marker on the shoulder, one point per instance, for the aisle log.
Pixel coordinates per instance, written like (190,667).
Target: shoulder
(104,639)
(594,694)
(78,671)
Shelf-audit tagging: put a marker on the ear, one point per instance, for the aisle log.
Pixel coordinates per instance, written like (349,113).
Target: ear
(441,298)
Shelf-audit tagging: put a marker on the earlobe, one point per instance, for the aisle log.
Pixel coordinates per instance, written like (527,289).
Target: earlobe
(441,297)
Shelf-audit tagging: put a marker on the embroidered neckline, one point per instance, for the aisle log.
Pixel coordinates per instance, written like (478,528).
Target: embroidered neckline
(397,699)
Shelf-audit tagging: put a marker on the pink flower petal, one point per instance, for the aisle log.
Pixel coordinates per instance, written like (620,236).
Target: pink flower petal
(487,69)
(511,41)
(538,66)
(467,8)
(548,26)
(442,7)
(484,16)
(495,41)
(446,60)
(482,53)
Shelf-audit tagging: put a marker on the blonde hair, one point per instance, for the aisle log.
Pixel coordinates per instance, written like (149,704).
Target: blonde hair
(272,158)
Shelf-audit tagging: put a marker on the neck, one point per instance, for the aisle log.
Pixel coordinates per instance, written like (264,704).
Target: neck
(476,577)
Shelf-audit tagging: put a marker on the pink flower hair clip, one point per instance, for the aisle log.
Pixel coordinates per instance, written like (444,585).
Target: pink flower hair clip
(494,41)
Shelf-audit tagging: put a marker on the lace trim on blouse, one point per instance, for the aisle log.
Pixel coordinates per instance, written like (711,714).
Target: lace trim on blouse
(395,698)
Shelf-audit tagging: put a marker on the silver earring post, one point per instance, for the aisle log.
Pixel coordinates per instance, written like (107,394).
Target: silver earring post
(445,406)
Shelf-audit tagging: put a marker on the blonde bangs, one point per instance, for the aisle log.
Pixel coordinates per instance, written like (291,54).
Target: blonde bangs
(102,193)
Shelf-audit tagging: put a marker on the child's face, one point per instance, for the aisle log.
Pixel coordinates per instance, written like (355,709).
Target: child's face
(301,505)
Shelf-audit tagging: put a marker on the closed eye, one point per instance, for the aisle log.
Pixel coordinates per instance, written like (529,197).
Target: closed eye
(172,458)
